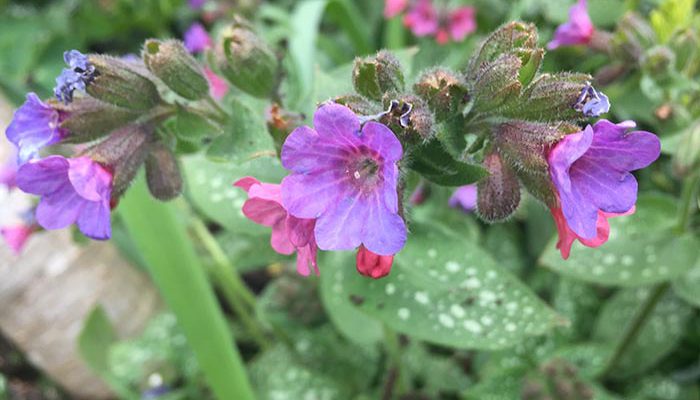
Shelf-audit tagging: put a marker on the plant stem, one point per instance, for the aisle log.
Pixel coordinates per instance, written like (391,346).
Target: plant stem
(635,326)
(690,185)
(237,294)
(396,380)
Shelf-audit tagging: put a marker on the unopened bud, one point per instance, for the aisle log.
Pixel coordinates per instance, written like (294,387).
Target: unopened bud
(496,83)
(374,76)
(687,157)
(162,173)
(170,61)
(445,92)
(358,104)
(524,144)
(658,61)
(531,60)
(685,46)
(373,265)
(88,118)
(247,61)
(551,97)
(506,39)
(121,83)
(498,193)
(123,152)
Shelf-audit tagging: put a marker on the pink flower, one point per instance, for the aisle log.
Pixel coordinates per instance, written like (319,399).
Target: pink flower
(424,19)
(567,236)
(289,234)
(373,265)
(577,30)
(217,86)
(16,236)
(393,8)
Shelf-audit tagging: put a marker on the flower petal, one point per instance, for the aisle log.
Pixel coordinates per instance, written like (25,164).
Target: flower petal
(60,208)
(337,122)
(43,176)
(384,232)
(307,196)
(303,152)
(94,220)
(381,139)
(279,240)
(89,179)
(623,151)
(340,227)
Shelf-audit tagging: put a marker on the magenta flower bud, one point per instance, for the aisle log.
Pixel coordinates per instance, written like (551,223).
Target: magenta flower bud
(73,190)
(345,175)
(577,30)
(591,173)
(498,193)
(217,85)
(289,234)
(465,198)
(16,236)
(34,126)
(373,265)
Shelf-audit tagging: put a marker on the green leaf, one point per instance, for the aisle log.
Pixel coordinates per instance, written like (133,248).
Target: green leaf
(446,290)
(161,237)
(94,342)
(276,376)
(192,128)
(589,358)
(658,336)
(642,249)
(687,286)
(437,165)
(305,23)
(210,187)
(350,322)
(245,136)
(671,16)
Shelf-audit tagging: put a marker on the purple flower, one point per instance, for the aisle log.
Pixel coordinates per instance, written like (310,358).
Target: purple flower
(464,198)
(577,30)
(196,4)
(197,39)
(8,174)
(591,172)
(79,74)
(345,175)
(74,190)
(34,125)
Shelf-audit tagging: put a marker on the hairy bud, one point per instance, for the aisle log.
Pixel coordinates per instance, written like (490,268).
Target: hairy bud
(658,61)
(358,104)
(123,152)
(633,36)
(374,76)
(445,92)
(175,66)
(550,97)
(122,84)
(247,61)
(373,265)
(498,193)
(88,118)
(162,173)
(496,83)
(523,144)
(506,39)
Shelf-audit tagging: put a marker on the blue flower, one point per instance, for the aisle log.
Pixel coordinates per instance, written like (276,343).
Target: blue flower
(592,103)
(79,74)
(34,125)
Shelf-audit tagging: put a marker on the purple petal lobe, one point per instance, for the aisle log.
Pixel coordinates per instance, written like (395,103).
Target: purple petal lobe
(60,208)
(381,139)
(340,227)
(34,126)
(384,231)
(94,221)
(307,196)
(333,121)
(43,176)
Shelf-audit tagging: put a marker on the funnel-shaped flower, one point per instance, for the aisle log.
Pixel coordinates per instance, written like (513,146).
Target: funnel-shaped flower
(74,190)
(34,125)
(346,176)
(591,173)
(289,234)
(567,236)
(373,265)
(577,30)
(424,19)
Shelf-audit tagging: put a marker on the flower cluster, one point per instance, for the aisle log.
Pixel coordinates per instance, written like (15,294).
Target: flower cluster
(424,18)
(342,192)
